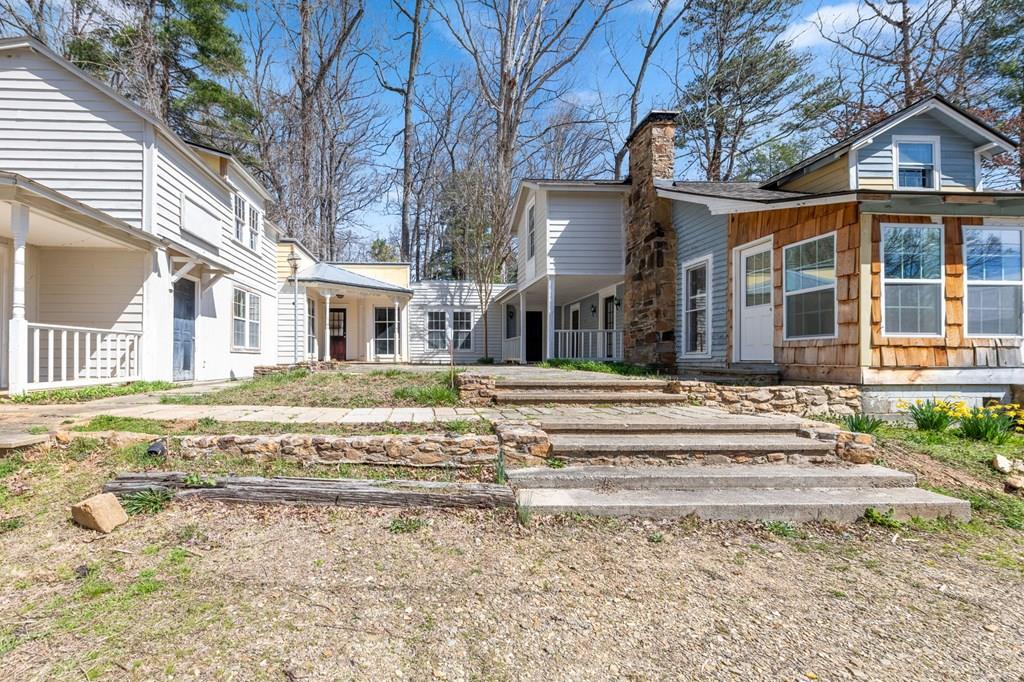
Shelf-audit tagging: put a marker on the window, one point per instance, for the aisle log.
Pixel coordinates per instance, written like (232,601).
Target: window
(915,162)
(912,280)
(462,329)
(239,216)
(437,330)
(809,288)
(995,284)
(696,283)
(245,331)
(385,331)
(531,233)
(311,326)
(758,285)
(511,322)
(254,228)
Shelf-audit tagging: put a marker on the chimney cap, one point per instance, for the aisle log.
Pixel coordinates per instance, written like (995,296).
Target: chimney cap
(654,116)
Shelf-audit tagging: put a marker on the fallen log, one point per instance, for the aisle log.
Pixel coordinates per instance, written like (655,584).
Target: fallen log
(323,491)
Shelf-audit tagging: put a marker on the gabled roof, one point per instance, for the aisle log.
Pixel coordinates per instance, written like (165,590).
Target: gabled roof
(325,273)
(864,136)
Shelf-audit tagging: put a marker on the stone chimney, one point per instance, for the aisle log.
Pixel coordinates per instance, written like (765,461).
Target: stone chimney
(649,303)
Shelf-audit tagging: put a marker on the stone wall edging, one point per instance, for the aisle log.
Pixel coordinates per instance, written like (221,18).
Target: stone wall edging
(804,400)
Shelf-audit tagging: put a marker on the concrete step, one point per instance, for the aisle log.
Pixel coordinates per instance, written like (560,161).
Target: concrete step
(645,424)
(706,477)
(578,446)
(602,385)
(736,504)
(537,397)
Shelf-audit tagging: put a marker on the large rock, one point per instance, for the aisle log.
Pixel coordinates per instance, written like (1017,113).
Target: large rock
(100,512)
(1002,464)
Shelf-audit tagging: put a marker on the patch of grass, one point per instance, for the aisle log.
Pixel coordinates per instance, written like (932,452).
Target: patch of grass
(1000,508)
(882,519)
(405,524)
(523,515)
(556,463)
(619,368)
(196,480)
(37,429)
(209,426)
(428,396)
(87,393)
(782,529)
(149,501)
(80,448)
(862,423)
(145,583)
(949,448)
(10,464)
(656,538)
(8,525)
(93,585)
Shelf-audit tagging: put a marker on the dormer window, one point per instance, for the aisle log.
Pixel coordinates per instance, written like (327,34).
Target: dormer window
(915,162)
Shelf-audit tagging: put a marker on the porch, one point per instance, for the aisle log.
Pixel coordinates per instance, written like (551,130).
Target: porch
(573,317)
(71,291)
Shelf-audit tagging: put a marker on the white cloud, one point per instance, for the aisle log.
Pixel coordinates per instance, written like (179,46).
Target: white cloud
(831,18)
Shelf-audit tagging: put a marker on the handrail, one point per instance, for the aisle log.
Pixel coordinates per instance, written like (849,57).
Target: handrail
(94,330)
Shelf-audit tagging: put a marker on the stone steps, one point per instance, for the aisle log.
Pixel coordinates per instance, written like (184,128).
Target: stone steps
(696,446)
(737,504)
(704,477)
(641,424)
(601,385)
(589,397)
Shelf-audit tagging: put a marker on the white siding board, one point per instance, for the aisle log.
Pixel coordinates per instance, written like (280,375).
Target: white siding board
(585,233)
(448,296)
(874,162)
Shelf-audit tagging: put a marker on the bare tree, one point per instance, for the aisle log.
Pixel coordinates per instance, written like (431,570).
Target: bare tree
(567,144)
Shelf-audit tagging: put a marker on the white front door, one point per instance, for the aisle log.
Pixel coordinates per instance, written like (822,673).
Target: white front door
(754,324)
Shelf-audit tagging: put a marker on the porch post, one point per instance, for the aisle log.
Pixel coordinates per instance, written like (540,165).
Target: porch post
(522,327)
(551,317)
(327,325)
(398,334)
(17,342)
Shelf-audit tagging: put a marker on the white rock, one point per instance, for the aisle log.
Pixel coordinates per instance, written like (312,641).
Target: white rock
(1002,464)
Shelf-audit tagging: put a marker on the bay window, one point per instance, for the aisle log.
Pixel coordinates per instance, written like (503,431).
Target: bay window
(809,288)
(995,284)
(245,330)
(912,285)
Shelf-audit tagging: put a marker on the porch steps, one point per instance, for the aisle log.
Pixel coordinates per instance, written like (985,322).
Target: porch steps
(641,424)
(587,397)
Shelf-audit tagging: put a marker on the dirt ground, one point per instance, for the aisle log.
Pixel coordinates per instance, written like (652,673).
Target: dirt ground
(210,592)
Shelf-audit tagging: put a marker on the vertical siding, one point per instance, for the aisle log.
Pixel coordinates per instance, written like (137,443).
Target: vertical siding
(66,134)
(449,296)
(874,162)
(700,234)
(585,232)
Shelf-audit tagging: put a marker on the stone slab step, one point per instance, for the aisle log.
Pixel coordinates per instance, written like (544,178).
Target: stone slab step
(737,504)
(641,424)
(709,477)
(587,397)
(14,441)
(581,385)
(664,445)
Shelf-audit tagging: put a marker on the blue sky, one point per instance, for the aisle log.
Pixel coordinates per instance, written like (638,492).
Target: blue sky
(594,73)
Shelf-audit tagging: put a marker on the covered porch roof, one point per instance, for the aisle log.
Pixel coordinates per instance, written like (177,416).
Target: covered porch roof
(332,277)
(567,288)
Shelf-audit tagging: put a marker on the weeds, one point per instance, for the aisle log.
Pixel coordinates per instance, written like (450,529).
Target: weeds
(87,393)
(556,463)
(428,396)
(862,423)
(8,525)
(80,448)
(194,480)
(782,529)
(149,501)
(620,368)
(882,520)
(656,538)
(523,515)
(405,524)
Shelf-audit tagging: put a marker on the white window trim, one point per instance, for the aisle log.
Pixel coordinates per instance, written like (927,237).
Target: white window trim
(253,232)
(239,226)
(472,323)
(941,281)
(935,142)
(1006,283)
(444,330)
(810,290)
(373,331)
(248,320)
(707,261)
(531,242)
(737,290)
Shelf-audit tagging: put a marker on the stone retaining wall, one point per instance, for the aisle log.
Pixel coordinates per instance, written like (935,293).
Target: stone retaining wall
(522,444)
(856,448)
(804,400)
(475,389)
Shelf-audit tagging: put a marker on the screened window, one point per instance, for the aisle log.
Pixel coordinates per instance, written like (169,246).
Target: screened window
(994,281)
(915,164)
(462,329)
(254,228)
(245,330)
(385,331)
(239,216)
(912,279)
(809,283)
(696,280)
(437,330)
(531,233)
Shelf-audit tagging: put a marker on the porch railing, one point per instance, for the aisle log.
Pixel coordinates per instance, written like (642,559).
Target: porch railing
(510,349)
(588,344)
(76,356)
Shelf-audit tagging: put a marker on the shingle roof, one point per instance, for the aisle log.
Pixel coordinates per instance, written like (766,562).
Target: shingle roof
(332,274)
(743,191)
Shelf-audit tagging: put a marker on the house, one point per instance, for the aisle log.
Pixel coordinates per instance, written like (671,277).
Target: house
(371,312)
(882,261)
(125,252)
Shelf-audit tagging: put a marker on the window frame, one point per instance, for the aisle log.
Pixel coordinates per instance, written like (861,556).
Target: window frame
(705,261)
(311,335)
(941,281)
(394,340)
(810,290)
(455,345)
(1014,227)
(531,231)
(239,202)
(935,142)
(254,228)
(248,320)
(443,330)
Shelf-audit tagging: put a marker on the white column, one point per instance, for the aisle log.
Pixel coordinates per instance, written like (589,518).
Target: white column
(522,327)
(17,343)
(398,333)
(550,350)
(327,325)
(408,332)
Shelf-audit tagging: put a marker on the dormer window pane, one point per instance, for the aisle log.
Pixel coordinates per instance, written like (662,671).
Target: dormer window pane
(916,169)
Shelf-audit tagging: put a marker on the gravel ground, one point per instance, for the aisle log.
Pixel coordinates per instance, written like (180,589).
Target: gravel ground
(208,592)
